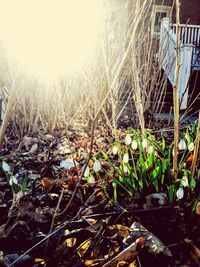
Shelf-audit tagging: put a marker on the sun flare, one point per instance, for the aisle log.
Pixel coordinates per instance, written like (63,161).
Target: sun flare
(50,38)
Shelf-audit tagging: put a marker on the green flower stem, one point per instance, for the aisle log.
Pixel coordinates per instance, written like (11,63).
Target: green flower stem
(117,182)
(103,186)
(134,166)
(115,193)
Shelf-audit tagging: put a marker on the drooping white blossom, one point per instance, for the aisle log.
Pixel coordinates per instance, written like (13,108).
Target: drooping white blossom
(13,180)
(115,150)
(191,146)
(5,166)
(187,137)
(87,172)
(97,166)
(134,145)
(144,143)
(126,158)
(114,184)
(180,193)
(184,181)
(128,140)
(125,169)
(182,144)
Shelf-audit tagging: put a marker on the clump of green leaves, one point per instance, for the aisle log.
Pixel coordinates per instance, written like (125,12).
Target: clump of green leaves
(144,164)
(13,181)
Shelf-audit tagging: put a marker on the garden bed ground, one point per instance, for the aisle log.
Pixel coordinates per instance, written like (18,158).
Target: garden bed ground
(86,228)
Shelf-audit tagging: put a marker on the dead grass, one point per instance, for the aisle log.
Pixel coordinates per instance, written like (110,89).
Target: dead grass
(124,70)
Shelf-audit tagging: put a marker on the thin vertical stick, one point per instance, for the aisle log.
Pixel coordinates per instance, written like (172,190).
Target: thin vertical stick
(175,93)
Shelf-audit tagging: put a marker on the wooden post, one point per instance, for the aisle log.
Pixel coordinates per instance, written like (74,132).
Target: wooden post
(175,94)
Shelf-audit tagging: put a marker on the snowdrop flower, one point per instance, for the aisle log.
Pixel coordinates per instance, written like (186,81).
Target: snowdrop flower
(6,167)
(134,145)
(125,169)
(145,143)
(180,193)
(150,149)
(126,158)
(90,179)
(184,181)
(13,180)
(87,172)
(191,146)
(97,166)
(187,137)
(115,150)
(114,184)
(182,145)
(128,140)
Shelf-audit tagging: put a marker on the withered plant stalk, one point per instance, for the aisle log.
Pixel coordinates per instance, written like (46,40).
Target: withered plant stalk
(175,93)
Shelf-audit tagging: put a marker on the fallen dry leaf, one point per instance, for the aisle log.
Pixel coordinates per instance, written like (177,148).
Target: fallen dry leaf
(198,208)
(33,149)
(88,262)
(70,242)
(124,263)
(46,182)
(128,254)
(120,230)
(84,246)
(194,250)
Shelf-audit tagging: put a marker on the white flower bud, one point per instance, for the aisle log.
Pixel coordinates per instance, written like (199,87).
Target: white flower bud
(13,180)
(125,169)
(126,158)
(114,184)
(115,150)
(184,181)
(182,145)
(134,145)
(87,172)
(128,140)
(180,193)
(187,137)
(6,167)
(191,146)
(145,143)
(97,166)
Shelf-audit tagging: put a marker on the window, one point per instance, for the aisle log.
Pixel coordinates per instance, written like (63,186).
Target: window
(159,12)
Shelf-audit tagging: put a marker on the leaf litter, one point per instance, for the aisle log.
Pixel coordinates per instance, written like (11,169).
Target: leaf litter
(95,230)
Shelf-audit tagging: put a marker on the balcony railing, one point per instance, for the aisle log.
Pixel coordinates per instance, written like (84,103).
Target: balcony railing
(190,34)
(189,54)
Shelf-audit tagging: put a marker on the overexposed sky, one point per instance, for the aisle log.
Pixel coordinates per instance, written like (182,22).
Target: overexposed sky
(50,37)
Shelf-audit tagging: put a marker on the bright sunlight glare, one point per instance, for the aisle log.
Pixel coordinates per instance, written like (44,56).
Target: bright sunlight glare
(50,38)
